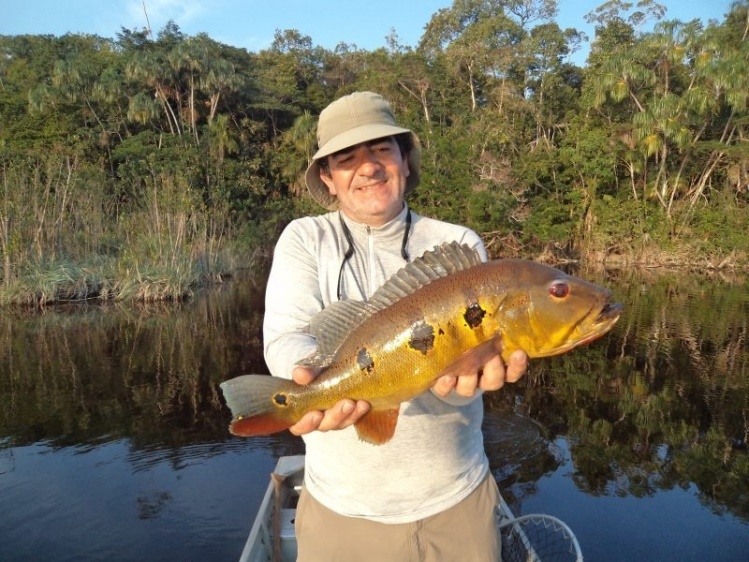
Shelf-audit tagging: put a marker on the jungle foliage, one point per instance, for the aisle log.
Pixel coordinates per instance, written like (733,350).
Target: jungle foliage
(143,166)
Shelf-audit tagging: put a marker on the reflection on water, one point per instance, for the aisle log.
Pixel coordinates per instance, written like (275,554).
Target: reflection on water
(114,441)
(516,446)
(69,504)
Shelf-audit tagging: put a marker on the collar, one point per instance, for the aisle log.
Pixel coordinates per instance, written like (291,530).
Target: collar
(393,228)
(397,229)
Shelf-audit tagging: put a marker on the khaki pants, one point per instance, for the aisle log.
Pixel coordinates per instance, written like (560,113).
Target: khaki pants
(466,532)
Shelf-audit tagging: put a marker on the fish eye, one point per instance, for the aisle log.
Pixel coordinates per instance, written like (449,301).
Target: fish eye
(559,290)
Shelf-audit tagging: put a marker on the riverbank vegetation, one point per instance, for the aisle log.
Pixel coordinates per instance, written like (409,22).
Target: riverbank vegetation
(145,166)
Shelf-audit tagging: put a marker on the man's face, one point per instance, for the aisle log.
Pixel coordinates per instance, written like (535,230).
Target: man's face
(369,180)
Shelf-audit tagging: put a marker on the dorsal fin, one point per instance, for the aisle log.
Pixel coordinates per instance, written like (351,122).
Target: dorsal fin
(334,323)
(440,262)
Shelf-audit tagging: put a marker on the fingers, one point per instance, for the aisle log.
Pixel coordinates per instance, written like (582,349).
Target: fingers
(516,366)
(496,373)
(466,385)
(493,376)
(444,385)
(343,414)
(340,416)
(463,385)
(304,375)
(309,422)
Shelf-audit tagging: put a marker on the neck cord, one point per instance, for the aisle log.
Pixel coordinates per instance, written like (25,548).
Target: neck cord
(406,234)
(350,245)
(349,250)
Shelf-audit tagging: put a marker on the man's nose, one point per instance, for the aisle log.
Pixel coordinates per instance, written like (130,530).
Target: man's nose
(368,161)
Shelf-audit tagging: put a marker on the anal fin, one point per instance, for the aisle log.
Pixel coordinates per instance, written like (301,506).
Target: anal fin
(377,426)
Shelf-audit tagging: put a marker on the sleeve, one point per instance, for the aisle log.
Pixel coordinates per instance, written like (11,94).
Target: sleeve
(474,241)
(292,297)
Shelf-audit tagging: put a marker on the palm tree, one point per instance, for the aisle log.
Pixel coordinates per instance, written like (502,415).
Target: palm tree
(221,139)
(298,145)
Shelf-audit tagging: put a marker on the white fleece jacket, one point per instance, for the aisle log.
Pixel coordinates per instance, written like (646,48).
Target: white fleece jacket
(436,457)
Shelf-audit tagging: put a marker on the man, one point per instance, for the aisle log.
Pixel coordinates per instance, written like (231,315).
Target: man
(428,493)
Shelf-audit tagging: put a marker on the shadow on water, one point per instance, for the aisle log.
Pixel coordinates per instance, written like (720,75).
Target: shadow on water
(114,441)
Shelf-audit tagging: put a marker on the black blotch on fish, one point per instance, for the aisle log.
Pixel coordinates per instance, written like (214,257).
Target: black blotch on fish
(422,337)
(365,361)
(280,399)
(474,315)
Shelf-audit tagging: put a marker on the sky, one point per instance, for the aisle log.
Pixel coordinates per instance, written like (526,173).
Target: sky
(251,24)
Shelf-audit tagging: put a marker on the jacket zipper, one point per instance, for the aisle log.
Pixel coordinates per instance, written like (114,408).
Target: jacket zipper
(370,261)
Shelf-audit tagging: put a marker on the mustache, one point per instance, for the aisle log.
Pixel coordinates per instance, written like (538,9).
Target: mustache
(372,182)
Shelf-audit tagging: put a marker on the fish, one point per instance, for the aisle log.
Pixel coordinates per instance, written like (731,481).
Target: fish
(446,312)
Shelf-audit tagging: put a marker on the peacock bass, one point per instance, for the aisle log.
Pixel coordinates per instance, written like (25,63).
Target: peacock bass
(446,312)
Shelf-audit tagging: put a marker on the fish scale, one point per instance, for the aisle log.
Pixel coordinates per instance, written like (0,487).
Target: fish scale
(446,313)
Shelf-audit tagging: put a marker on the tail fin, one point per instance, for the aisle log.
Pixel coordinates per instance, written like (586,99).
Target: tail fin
(254,402)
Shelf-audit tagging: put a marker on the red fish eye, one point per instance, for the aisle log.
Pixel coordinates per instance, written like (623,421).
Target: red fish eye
(559,290)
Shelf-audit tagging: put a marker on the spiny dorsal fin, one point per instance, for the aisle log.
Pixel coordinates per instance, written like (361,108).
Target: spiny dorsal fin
(331,326)
(444,260)
(334,323)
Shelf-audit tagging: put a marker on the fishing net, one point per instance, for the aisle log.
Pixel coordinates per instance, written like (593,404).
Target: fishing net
(538,538)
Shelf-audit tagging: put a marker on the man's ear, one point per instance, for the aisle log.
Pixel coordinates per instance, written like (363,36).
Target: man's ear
(327,180)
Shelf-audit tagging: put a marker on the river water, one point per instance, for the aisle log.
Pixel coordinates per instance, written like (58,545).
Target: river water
(114,442)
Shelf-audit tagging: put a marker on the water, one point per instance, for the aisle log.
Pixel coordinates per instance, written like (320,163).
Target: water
(114,445)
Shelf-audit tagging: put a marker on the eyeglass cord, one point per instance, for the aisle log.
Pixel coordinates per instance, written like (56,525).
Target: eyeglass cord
(350,245)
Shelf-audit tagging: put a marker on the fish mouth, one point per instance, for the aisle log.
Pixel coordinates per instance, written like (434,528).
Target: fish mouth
(603,322)
(610,312)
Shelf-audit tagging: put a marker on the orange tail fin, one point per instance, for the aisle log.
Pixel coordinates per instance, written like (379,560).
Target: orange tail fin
(257,425)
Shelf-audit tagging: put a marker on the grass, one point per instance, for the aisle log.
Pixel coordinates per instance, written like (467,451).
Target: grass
(125,278)
(101,279)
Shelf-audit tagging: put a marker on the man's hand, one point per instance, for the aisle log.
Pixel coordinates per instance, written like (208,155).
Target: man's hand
(343,414)
(494,375)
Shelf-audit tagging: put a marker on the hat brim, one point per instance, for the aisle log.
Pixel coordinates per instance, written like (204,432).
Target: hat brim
(319,191)
(352,137)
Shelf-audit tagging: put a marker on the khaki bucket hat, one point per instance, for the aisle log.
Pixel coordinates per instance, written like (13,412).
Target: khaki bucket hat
(351,120)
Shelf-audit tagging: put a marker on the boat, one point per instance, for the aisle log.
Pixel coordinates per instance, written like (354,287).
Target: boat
(528,538)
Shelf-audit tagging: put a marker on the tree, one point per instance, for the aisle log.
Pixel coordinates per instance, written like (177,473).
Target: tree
(477,39)
(683,84)
(552,87)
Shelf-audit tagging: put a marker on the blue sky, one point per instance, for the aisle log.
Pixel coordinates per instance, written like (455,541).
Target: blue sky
(250,24)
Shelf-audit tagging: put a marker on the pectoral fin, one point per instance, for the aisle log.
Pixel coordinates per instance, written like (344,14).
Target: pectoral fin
(377,426)
(472,360)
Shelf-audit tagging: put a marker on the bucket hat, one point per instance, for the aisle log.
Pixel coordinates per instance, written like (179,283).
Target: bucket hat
(351,120)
